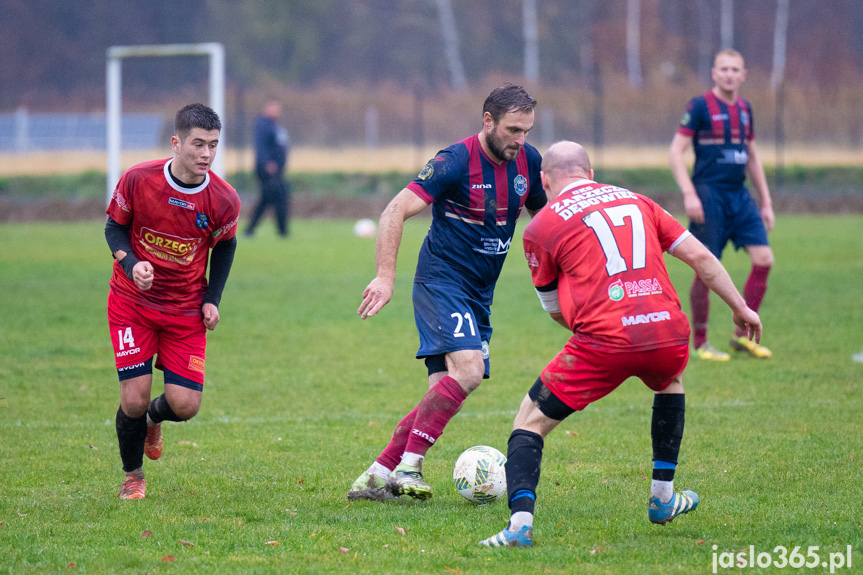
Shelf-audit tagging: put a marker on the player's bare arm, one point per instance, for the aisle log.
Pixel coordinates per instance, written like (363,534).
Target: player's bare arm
(677,161)
(380,290)
(755,169)
(693,253)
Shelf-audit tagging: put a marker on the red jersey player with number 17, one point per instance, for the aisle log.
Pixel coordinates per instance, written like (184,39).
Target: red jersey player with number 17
(596,258)
(164,218)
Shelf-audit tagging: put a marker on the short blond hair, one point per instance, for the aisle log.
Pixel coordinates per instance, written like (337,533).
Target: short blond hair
(729,52)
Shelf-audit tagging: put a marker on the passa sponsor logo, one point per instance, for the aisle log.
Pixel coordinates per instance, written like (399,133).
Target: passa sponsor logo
(646,318)
(643,287)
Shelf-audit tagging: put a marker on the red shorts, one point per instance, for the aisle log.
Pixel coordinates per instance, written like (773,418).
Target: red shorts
(580,375)
(138,333)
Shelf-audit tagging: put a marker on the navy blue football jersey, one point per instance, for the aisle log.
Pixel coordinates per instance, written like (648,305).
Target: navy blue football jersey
(720,138)
(475,205)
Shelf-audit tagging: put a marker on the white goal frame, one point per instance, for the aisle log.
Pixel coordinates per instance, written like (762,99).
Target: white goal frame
(114,85)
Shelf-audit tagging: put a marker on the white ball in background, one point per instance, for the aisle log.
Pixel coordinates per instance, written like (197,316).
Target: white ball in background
(365,228)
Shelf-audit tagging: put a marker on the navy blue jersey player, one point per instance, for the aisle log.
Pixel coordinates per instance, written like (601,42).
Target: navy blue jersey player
(477,188)
(719,126)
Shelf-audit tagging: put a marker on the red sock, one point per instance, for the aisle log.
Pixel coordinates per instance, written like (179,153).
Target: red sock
(699,301)
(437,407)
(754,290)
(392,455)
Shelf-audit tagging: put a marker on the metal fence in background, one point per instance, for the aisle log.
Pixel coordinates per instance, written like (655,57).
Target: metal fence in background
(25,132)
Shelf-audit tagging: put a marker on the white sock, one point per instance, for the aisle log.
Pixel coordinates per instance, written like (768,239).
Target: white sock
(150,422)
(378,470)
(413,459)
(519,519)
(662,489)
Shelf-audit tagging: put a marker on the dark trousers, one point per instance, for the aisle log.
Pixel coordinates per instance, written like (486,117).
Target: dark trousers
(274,192)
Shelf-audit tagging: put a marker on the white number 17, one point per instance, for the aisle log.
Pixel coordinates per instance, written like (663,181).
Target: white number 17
(614,262)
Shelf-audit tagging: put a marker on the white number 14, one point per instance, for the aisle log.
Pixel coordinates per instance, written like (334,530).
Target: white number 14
(125,337)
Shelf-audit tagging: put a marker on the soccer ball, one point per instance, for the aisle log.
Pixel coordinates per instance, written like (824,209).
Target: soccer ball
(365,228)
(479,474)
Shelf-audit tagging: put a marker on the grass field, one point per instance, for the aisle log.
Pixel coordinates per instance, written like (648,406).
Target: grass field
(301,395)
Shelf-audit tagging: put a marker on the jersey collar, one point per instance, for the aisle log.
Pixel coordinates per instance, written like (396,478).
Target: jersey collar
(181,189)
(576,184)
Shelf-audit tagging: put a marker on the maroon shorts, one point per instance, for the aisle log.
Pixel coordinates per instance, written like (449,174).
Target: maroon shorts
(580,375)
(138,333)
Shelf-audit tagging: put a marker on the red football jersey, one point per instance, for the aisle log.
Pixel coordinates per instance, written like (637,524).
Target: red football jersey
(173,228)
(604,246)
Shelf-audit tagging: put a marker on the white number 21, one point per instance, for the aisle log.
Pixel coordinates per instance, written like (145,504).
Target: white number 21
(457,332)
(615,263)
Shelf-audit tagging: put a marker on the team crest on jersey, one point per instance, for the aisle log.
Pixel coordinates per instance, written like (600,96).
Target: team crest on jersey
(181,203)
(520,185)
(427,172)
(615,291)
(684,121)
(202,221)
(744,117)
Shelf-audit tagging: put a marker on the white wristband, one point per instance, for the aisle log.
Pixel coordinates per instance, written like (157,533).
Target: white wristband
(549,300)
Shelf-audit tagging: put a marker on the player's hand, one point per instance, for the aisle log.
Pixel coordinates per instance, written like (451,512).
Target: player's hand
(211,316)
(142,275)
(376,295)
(768,218)
(272,167)
(748,320)
(694,209)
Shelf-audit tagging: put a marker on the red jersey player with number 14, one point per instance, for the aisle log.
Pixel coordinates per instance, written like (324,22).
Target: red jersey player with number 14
(164,218)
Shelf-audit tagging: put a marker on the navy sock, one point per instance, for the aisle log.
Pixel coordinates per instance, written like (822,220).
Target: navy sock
(131,432)
(523,460)
(160,410)
(666,431)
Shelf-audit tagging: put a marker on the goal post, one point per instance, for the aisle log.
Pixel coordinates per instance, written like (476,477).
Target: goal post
(114,108)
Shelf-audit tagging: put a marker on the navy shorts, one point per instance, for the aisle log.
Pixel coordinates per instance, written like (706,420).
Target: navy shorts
(448,319)
(728,215)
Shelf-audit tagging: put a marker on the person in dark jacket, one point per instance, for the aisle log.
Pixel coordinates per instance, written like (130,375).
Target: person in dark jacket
(271,157)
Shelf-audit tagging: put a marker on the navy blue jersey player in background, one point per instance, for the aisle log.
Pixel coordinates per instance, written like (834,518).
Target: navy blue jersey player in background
(719,126)
(477,189)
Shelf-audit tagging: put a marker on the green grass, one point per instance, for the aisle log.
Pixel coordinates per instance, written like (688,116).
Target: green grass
(301,395)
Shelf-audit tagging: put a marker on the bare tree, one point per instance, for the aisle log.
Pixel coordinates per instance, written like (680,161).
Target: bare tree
(633,42)
(726,24)
(531,41)
(450,39)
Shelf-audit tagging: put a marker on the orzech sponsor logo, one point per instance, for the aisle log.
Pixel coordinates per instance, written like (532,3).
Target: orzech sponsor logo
(181,203)
(196,363)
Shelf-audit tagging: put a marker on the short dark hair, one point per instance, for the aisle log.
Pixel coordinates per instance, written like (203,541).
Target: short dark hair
(195,116)
(507,98)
